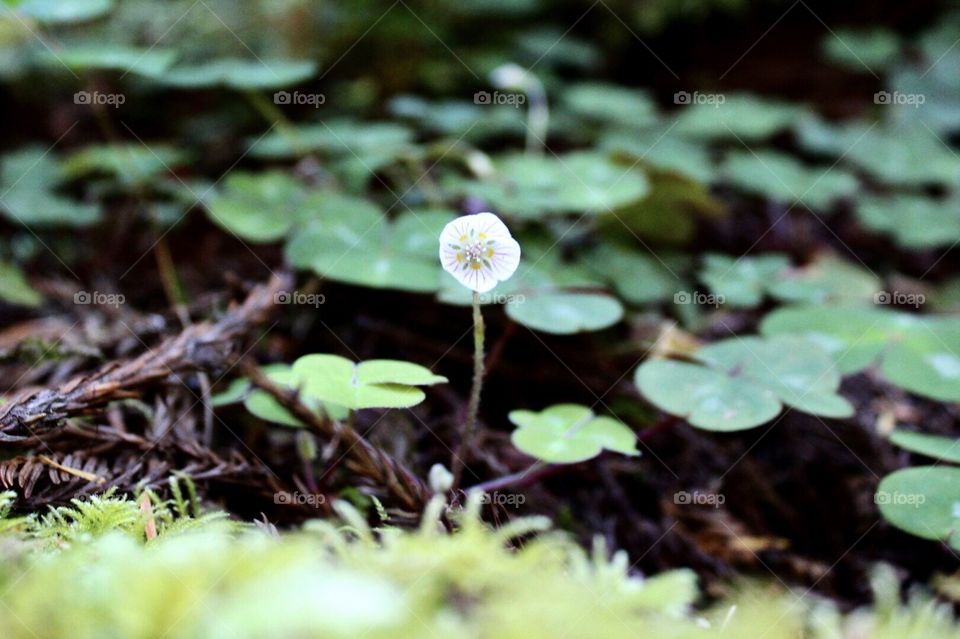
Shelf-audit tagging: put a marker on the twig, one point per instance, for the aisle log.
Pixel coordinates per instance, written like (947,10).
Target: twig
(207,346)
(362,457)
(530,475)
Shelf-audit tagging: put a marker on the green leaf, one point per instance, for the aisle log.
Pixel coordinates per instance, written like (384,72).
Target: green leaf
(565,312)
(610,104)
(27,180)
(909,154)
(240,74)
(924,501)
(741,383)
(64,11)
(235,392)
(375,143)
(569,433)
(780,178)
(708,399)
(862,51)
(460,119)
(358,245)
(14,288)
(638,276)
(919,354)
(133,164)
(261,404)
(825,280)
(913,221)
(742,281)
(109,57)
(259,207)
(530,186)
(935,446)
(371,384)
(742,116)
(664,151)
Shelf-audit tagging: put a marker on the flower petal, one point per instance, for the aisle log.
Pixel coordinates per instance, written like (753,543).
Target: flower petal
(482,234)
(506,258)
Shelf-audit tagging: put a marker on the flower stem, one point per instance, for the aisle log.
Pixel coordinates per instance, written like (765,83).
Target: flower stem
(470,426)
(538,117)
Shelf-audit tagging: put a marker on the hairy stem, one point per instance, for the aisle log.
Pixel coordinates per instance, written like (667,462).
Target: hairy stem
(473,407)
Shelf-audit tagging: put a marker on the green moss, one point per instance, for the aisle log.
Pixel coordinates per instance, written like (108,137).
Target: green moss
(346,580)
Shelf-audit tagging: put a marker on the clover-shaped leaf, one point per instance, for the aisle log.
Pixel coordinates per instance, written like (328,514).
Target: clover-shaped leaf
(565,312)
(531,186)
(460,118)
(935,446)
(913,221)
(924,501)
(152,61)
(372,142)
(919,354)
(28,178)
(63,11)
(360,246)
(825,279)
(258,207)
(639,276)
(909,154)
(740,383)
(238,73)
(862,51)
(741,116)
(780,178)
(133,164)
(14,288)
(378,383)
(569,433)
(263,405)
(654,147)
(742,281)
(610,104)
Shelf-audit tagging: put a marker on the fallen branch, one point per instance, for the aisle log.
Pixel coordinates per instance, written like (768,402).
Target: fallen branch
(362,457)
(207,346)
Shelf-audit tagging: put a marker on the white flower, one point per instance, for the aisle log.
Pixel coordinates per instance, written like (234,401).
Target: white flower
(479,251)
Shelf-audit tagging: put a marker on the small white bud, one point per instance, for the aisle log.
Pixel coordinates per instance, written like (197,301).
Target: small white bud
(441,479)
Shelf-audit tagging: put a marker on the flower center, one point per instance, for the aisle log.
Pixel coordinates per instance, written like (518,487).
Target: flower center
(474,252)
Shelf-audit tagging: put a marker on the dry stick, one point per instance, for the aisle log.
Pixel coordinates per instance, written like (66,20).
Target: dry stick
(207,346)
(539,470)
(362,457)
